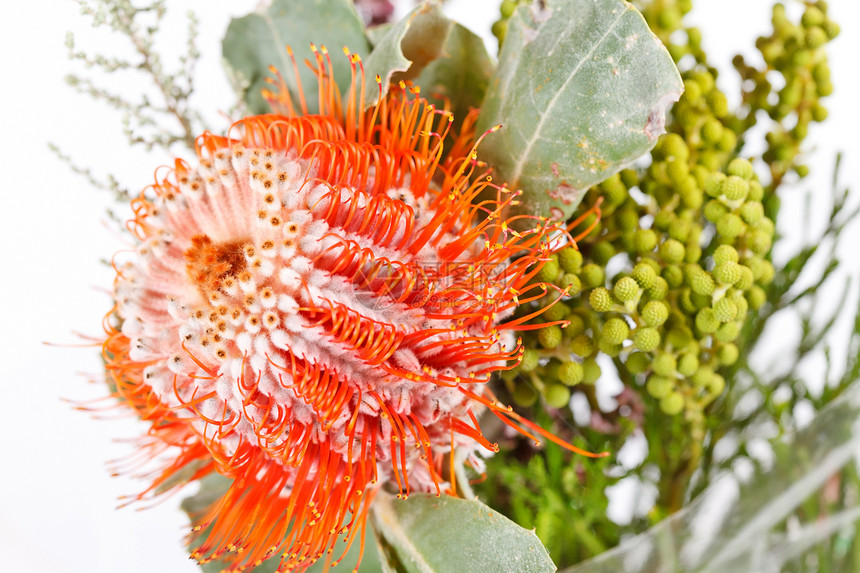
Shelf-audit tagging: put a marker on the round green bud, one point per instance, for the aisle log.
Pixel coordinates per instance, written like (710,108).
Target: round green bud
(727,273)
(674,275)
(659,386)
(679,337)
(725,254)
(672,251)
(555,312)
(614,191)
(718,103)
(815,38)
(819,112)
(575,326)
(693,253)
(756,191)
(728,332)
(677,170)
(694,36)
(705,80)
(825,89)
(609,349)
(746,279)
(728,354)
(592,275)
(665,364)
(655,313)
(550,270)
(570,259)
(669,18)
(680,230)
(686,301)
(626,289)
(659,289)
(651,263)
(591,371)
(700,300)
(766,273)
(730,226)
(735,188)
(615,331)
(572,283)
(673,145)
(756,297)
(715,210)
(524,395)
(702,376)
(570,373)
(702,283)
(673,404)
(645,240)
(688,364)
(766,225)
(602,252)
(759,242)
(741,168)
(742,304)
(712,131)
(644,275)
(752,212)
(582,346)
(600,299)
(629,177)
(831,28)
(714,184)
(549,337)
(499,30)
(691,196)
(692,91)
(626,219)
(716,385)
(707,321)
(729,141)
(530,361)
(646,339)
(638,362)
(556,395)
(725,310)
(812,17)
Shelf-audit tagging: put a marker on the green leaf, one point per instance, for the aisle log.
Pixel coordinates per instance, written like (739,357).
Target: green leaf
(427,534)
(441,56)
(581,89)
(256,41)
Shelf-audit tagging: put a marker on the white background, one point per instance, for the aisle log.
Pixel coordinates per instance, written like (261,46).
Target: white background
(56,497)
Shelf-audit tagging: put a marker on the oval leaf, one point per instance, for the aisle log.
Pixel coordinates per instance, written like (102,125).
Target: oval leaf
(426,534)
(256,41)
(581,89)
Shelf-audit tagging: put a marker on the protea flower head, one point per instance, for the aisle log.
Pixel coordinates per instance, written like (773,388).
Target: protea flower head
(314,308)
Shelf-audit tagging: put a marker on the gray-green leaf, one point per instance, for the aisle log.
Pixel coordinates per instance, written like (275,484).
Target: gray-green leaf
(442,57)
(256,41)
(581,89)
(426,534)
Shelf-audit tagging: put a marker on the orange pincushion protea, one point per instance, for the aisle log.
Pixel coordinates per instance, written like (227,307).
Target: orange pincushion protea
(315,309)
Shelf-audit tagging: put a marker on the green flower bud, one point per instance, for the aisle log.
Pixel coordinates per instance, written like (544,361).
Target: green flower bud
(665,364)
(614,191)
(714,184)
(730,226)
(507,8)
(728,332)
(705,80)
(550,270)
(555,312)
(815,38)
(655,313)
(582,346)
(707,321)
(677,170)
(692,91)
(646,339)
(591,371)
(712,131)
(674,275)
(812,17)
(746,279)
(600,299)
(716,385)
(693,253)
(728,142)
(615,331)
(725,254)
(659,289)
(702,376)
(742,304)
(572,283)
(679,337)
(608,348)
(680,230)
(638,362)
(570,373)
(626,289)
(524,395)
(741,168)
(673,404)
(575,326)
(725,310)
(702,283)
(766,225)
(644,275)
(715,210)
(629,177)
(688,364)
(570,259)
(756,297)
(752,212)
(549,337)
(727,273)
(556,395)
(602,252)
(759,242)
(766,273)
(499,30)
(691,196)
(626,219)
(819,112)
(718,103)
(659,386)
(728,354)
(531,358)
(672,251)
(673,145)
(686,301)
(831,28)
(592,275)
(825,89)
(756,191)
(645,240)
(735,188)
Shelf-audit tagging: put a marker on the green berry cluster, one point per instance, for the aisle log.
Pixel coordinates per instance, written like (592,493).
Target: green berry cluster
(506,10)
(677,262)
